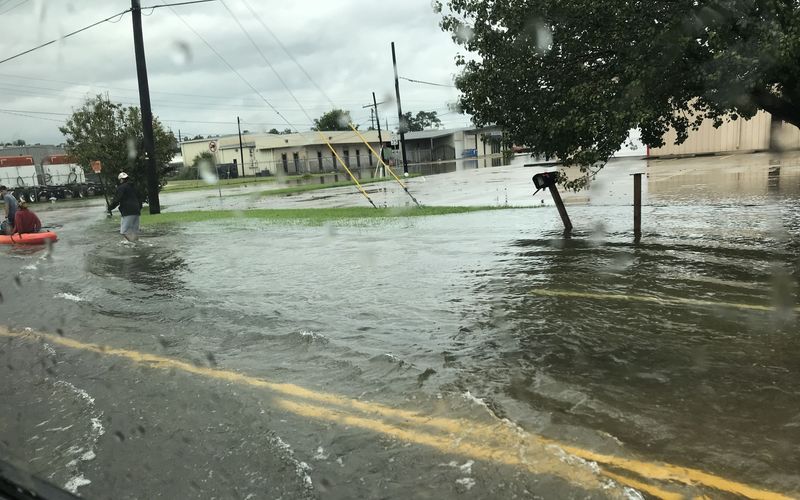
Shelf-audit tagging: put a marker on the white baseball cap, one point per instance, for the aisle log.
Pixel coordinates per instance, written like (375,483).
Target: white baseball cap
(122,175)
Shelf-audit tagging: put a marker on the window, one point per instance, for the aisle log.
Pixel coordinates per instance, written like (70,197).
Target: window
(358,158)
(296,159)
(285,163)
(347,157)
(319,160)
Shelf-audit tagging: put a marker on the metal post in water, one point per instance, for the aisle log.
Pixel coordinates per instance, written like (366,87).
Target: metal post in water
(562,211)
(637,206)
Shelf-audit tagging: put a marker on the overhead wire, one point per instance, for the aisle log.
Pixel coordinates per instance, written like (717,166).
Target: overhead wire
(289,91)
(426,83)
(14,7)
(234,70)
(308,76)
(73,33)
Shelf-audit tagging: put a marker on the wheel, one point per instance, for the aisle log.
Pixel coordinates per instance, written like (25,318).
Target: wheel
(68,194)
(90,191)
(32,197)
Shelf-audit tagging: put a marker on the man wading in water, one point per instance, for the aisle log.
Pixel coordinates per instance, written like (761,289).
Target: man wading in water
(129,207)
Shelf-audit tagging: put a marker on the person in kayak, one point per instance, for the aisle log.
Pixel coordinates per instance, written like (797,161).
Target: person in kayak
(129,206)
(9,210)
(26,221)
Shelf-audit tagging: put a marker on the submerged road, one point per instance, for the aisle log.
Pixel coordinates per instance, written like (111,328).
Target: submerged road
(475,355)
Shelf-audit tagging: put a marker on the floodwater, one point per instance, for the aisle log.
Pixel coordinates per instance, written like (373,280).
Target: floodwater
(480,355)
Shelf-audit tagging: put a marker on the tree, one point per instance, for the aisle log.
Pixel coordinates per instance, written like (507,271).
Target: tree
(109,132)
(197,138)
(335,119)
(273,131)
(571,78)
(423,120)
(287,131)
(19,142)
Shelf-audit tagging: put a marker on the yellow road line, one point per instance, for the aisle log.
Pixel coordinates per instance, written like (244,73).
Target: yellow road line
(656,300)
(501,436)
(640,486)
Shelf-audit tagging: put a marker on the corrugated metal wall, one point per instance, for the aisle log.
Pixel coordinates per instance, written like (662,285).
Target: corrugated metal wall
(755,134)
(732,136)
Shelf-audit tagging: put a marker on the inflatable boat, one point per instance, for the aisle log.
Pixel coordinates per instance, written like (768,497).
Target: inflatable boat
(28,238)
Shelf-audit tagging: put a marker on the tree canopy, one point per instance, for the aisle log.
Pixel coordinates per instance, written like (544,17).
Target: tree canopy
(421,121)
(570,78)
(109,132)
(335,119)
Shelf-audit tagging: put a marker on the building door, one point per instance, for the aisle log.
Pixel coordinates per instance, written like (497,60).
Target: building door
(347,157)
(296,159)
(285,163)
(319,160)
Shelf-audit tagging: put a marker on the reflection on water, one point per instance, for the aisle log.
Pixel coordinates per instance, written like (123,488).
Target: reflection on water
(677,377)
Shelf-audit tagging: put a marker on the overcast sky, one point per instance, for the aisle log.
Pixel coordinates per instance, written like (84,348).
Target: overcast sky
(343,44)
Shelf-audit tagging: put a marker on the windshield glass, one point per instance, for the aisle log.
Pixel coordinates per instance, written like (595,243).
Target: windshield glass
(356,250)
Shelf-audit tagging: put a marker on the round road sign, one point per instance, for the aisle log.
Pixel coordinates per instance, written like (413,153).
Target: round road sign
(212,146)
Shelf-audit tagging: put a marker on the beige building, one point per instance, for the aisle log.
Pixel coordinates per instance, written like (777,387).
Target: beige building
(759,133)
(307,152)
(304,152)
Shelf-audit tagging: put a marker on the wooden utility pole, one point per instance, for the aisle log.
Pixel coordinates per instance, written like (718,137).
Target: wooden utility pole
(147,113)
(400,113)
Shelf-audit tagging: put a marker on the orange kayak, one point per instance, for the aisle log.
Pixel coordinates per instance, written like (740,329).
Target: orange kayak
(28,238)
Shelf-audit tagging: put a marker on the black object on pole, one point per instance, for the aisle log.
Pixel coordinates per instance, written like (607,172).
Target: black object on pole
(241,149)
(400,113)
(637,206)
(147,113)
(548,180)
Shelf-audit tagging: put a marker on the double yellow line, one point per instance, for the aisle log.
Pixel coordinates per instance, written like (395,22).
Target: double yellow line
(497,442)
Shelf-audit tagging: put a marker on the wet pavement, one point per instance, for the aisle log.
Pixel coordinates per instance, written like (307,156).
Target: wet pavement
(473,355)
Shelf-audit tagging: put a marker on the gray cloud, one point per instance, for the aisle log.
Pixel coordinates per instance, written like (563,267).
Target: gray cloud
(344,45)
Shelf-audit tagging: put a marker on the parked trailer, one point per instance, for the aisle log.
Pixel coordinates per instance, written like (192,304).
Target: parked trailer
(56,178)
(18,172)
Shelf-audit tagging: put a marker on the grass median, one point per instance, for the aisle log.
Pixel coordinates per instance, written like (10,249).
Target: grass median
(307,216)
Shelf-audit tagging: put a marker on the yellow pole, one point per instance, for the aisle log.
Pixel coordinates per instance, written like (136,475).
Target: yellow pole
(343,164)
(364,140)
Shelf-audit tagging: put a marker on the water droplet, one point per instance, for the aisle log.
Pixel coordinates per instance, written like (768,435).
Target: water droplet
(207,172)
(132,150)
(181,53)
(465,33)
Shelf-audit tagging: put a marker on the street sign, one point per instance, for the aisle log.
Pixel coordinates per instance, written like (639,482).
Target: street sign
(394,139)
(212,146)
(97,166)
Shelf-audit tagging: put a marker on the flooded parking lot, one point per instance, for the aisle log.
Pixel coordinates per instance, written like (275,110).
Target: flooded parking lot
(467,355)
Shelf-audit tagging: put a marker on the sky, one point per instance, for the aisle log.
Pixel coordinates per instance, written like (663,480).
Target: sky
(344,46)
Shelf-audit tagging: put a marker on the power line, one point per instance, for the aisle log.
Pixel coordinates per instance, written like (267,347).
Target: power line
(286,51)
(427,83)
(120,14)
(229,65)
(14,7)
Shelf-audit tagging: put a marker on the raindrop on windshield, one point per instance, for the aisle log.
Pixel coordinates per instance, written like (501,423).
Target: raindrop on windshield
(181,53)
(132,150)
(207,172)
(465,33)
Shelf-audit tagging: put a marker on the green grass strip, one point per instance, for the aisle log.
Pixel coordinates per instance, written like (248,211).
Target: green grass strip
(310,216)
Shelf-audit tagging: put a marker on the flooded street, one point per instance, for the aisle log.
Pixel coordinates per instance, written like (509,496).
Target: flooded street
(475,355)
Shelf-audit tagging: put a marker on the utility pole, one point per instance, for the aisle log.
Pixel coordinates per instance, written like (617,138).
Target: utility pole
(179,137)
(400,113)
(377,121)
(147,113)
(241,149)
